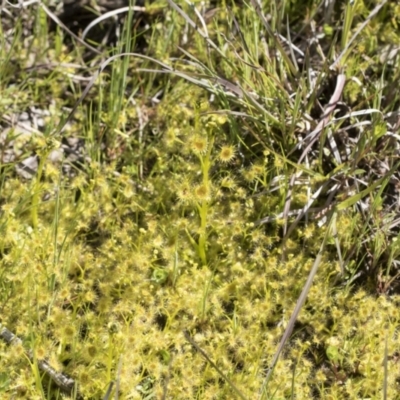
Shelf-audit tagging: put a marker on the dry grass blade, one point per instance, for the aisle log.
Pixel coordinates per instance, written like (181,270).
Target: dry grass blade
(208,359)
(199,16)
(109,390)
(109,15)
(228,88)
(297,309)
(209,74)
(66,29)
(292,47)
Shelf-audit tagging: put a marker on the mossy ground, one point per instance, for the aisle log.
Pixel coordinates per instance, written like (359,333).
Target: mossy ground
(154,232)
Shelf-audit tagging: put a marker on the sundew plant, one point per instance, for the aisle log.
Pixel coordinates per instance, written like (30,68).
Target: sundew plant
(199,200)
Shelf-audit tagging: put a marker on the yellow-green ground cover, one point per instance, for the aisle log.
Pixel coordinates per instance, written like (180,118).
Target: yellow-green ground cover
(154,238)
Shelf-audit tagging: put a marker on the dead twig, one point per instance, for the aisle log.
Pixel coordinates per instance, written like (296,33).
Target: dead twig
(66,384)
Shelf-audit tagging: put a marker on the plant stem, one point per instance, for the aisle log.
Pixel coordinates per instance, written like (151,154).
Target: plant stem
(203,207)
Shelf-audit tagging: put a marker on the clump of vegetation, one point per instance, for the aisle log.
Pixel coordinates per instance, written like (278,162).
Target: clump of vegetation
(213,214)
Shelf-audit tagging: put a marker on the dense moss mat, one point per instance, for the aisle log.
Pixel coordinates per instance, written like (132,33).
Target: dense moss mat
(151,234)
(110,281)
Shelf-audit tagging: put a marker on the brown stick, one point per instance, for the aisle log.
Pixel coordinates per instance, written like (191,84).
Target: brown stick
(66,385)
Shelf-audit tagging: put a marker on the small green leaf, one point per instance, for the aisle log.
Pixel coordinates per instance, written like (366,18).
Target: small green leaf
(159,276)
(328,30)
(333,353)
